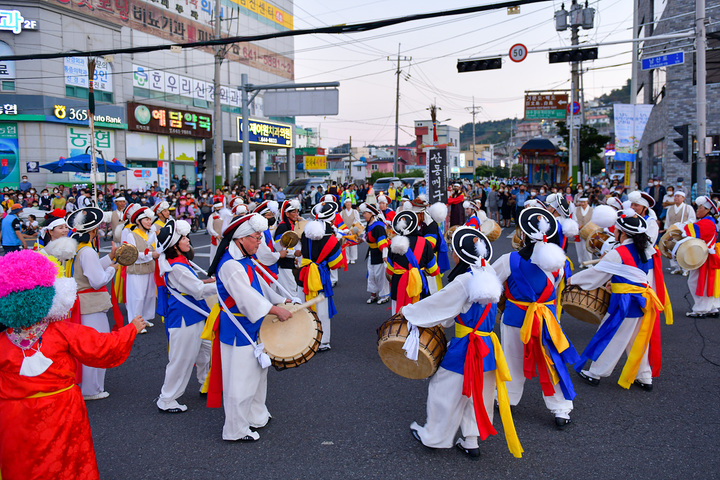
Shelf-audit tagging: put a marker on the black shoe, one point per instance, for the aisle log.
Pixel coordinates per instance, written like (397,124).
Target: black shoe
(714,314)
(246,438)
(172,410)
(473,453)
(645,386)
(255,429)
(203,394)
(416,436)
(561,423)
(588,379)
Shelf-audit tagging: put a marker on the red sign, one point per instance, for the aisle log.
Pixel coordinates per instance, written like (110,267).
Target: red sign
(518,52)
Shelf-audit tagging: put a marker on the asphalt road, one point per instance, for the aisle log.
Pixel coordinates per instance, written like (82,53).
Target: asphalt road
(344,415)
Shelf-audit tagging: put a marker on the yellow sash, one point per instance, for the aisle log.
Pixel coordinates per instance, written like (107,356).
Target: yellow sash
(47,394)
(642,340)
(414,285)
(545,317)
(502,375)
(314,282)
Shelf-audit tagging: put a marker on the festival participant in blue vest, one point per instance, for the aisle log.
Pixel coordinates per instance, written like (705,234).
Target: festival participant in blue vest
(633,312)
(475,216)
(186,314)
(642,203)
(561,209)
(430,217)
(266,254)
(289,217)
(239,365)
(321,254)
(532,339)
(461,393)
(92,274)
(376,237)
(411,257)
(141,291)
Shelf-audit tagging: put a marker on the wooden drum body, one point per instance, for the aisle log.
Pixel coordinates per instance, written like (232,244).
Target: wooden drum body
(293,342)
(587,305)
(491,229)
(391,337)
(594,243)
(668,240)
(691,254)
(588,230)
(517,240)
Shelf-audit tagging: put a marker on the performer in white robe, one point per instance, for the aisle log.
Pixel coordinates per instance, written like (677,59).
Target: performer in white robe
(583,215)
(679,214)
(350,217)
(141,289)
(92,274)
(187,311)
(214,229)
(474,358)
(241,368)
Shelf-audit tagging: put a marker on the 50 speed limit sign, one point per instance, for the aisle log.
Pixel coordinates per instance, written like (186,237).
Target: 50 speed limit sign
(518,52)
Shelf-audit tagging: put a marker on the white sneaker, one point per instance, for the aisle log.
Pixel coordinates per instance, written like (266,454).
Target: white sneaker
(97,396)
(144,330)
(383,300)
(324,347)
(149,323)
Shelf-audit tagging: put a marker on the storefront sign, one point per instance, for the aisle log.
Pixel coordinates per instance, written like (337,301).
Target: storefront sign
(267,133)
(76,74)
(170,121)
(141,178)
(9,155)
(13,21)
(315,163)
(38,108)
(181,21)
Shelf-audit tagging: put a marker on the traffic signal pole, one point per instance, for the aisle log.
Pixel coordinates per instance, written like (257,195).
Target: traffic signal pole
(700,49)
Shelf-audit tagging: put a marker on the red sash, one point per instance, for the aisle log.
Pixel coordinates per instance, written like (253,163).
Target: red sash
(473,376)
(534,358)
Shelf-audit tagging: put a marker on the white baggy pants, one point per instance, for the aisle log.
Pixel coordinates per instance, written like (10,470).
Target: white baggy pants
(93,379)
(514,350)
(140,292)
(377,283)
(448,409)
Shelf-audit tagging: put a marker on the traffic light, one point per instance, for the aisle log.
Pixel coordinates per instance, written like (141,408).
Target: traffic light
(576,55)
(479,64)
(201,160)
(683,142)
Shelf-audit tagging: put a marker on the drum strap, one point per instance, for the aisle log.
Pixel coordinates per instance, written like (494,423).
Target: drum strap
(181,298)
(258,348)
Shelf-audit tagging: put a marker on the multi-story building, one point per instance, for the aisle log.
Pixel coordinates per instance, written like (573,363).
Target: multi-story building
(155,110)
(672,91)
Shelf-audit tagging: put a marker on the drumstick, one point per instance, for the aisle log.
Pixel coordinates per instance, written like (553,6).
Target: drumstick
(297,307)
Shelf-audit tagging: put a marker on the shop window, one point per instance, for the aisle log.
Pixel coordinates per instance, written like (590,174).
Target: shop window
(712,59)
(656,159)
(83,93)
(658,84)
(7,86)
(373,167)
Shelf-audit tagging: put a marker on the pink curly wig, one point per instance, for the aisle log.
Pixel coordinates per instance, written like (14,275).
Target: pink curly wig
(25,270)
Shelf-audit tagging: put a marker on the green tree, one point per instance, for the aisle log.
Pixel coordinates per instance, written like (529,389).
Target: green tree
(592,144)
(518,170)
(483,171)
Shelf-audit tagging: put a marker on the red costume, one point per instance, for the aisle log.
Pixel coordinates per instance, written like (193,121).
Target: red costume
(44,428)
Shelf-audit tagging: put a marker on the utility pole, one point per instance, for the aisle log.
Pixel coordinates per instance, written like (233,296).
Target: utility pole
(397,105)
(700,49)
(474,110)
(217,157)
(630,173)
(574,97)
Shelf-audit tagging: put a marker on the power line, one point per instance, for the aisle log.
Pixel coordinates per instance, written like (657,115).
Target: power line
(339,29)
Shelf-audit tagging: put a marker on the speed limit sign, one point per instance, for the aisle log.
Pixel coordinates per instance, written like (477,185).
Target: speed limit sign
(518,52)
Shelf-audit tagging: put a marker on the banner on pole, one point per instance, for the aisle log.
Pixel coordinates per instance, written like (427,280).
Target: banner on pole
(437,175)
(630,121)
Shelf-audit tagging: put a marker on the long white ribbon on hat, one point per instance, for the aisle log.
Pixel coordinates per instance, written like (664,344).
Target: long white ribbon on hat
(258,348)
